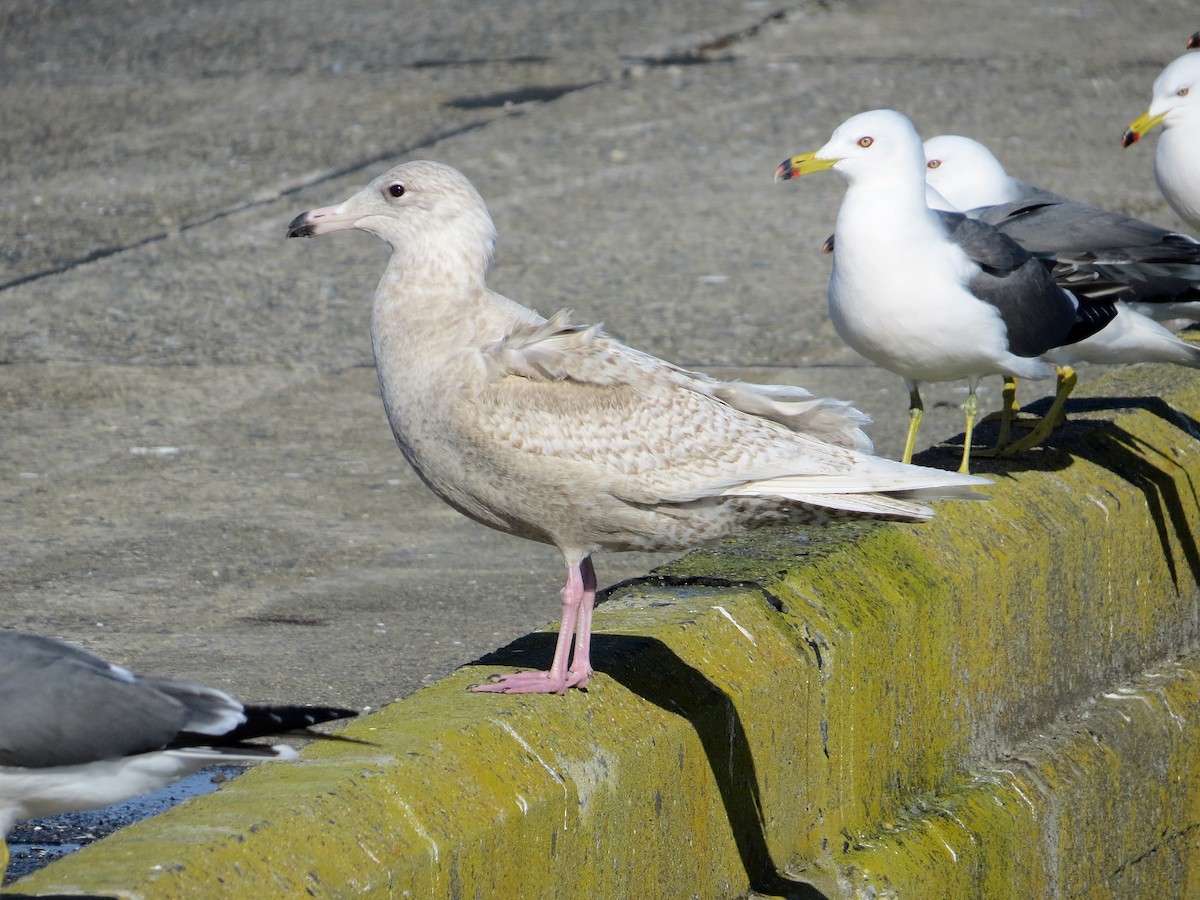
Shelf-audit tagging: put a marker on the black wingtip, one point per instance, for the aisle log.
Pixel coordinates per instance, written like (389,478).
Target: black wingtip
(268,721)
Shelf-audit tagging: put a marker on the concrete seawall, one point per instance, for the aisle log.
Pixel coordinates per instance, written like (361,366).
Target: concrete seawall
(1002,702)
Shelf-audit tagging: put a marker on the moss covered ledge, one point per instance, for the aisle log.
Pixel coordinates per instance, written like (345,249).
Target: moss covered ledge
(886,710)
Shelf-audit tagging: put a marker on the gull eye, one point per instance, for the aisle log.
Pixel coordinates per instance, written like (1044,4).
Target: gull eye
(396,190)
(933,163)
(1182,92)
(865,142)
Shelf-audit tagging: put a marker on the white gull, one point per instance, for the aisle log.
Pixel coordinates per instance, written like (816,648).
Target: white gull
(1175,104)
(1098,252)
(930,296)
(1127,270)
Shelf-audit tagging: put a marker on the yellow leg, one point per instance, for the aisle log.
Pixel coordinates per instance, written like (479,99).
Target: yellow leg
(1007,411)
(916,411)
(970,408)
(1053,416)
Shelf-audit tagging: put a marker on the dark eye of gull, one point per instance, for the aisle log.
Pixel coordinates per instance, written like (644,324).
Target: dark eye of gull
(934,163)
(1182,92)
(396,190)
(865,142)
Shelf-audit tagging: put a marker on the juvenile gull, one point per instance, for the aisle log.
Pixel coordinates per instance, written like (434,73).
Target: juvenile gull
(1098,252)
(1175,104)
(556,433)
(79,733)
(930,296)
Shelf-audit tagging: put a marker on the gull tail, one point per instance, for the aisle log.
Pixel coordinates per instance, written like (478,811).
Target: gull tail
(884,488)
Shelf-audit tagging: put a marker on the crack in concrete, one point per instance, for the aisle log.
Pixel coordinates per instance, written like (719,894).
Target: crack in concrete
(508,102)
(254,203)
(1163,843)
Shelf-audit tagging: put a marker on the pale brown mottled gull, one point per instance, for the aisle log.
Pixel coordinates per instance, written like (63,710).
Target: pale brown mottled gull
(557,433)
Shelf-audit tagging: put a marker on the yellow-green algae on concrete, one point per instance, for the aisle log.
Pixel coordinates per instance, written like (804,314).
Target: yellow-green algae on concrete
(1108,795)
(976,706)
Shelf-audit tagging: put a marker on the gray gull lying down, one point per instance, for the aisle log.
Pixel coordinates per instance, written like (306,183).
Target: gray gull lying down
(557,433)
(79,733)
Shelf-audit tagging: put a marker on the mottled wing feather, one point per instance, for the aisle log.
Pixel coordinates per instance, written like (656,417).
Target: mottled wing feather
(652,435)
(557,351)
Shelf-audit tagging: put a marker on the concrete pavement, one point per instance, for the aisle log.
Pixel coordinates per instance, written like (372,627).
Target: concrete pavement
(197,475)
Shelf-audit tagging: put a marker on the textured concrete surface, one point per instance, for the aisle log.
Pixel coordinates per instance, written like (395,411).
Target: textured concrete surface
(196,477)
(999,703)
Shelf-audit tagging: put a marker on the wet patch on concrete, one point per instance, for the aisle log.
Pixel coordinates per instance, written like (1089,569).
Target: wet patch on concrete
(36,843)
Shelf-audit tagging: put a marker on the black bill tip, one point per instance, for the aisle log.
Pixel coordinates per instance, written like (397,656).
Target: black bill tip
(300,227)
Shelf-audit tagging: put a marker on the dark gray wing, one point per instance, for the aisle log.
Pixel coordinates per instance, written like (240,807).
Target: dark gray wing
(1037,313)
(1146,263)
(60,705)
(1093,315)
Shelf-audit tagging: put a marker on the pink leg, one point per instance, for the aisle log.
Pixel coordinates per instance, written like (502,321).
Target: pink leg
(581,661)
(578,598)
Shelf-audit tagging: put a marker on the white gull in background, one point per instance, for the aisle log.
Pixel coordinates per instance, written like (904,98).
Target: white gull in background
(556,433)
(1175,104)
(1100,253)
(79,733)
(930,296)
(1138,270)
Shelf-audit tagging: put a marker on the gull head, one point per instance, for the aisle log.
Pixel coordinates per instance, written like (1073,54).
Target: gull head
(417,207)
(965,172)
(1174,98)
(880,143)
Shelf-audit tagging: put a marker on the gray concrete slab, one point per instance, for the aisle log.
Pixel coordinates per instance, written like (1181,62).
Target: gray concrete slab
(196,476)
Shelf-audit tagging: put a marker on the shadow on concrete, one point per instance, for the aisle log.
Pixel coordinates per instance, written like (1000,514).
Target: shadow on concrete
(650,669)
(1150,469)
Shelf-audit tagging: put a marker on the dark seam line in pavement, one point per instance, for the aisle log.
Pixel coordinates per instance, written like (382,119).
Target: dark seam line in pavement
(517,96)
(692,56)
(478,61)
(698,55)
(106,252)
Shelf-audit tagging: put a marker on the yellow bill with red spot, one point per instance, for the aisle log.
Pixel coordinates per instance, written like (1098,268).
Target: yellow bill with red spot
(1140,126)
(804,164)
